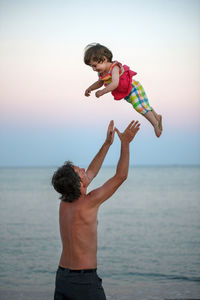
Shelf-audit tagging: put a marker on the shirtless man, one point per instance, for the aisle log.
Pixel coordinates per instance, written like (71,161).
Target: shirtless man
(77,277)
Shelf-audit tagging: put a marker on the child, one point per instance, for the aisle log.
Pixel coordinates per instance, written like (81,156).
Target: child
(117,79)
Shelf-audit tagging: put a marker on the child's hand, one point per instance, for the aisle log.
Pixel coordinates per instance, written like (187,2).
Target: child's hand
(99,93)
(87,92)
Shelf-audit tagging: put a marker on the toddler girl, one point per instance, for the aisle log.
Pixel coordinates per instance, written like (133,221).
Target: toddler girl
(117,79)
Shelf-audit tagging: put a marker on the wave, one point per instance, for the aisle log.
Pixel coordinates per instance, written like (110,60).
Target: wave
(164,276)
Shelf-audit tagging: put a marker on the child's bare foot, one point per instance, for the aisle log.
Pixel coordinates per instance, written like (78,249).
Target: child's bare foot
(156,121)
(157,131)
(160,122)
(158,127)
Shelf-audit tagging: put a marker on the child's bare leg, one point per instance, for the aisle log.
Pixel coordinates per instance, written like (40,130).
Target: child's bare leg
(150,116)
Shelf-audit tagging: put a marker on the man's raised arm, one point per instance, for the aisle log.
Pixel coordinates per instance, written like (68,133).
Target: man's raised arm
(126,137)
(102,193)
(96,163)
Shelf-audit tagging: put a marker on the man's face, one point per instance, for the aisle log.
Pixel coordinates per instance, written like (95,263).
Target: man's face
(82,174)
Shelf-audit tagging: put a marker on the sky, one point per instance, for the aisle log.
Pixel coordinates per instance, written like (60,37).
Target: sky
(45,119)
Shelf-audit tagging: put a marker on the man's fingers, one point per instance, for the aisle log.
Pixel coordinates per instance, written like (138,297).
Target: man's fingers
(134,125)
(130,125)
(118,132)
(111,124)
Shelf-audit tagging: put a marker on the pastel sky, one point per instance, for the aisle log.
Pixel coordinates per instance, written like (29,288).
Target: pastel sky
(45,119)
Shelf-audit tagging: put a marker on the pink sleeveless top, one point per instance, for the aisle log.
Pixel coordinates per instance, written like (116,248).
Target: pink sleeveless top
(125,80)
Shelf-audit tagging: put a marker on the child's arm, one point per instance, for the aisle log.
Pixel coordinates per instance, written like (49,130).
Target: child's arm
(93,87)
(113,85)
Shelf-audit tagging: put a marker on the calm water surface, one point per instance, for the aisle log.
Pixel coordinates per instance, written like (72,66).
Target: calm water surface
(149,234)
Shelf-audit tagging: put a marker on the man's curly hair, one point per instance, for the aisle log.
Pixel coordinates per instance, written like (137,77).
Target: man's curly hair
(67,182)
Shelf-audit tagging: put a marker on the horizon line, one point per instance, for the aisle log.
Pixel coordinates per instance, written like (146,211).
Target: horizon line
(106,166)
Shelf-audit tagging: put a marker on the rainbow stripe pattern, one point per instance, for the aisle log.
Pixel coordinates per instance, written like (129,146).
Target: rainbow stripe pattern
(138,98)
(108,77)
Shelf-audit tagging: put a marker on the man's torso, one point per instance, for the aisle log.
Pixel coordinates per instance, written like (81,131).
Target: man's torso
(78,229)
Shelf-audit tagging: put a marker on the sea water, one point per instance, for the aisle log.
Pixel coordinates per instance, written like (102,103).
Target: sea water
(148,234)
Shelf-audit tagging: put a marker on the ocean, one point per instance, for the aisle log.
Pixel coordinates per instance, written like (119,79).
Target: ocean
(148,234)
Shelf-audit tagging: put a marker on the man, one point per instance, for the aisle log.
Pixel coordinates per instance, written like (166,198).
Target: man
(76,277)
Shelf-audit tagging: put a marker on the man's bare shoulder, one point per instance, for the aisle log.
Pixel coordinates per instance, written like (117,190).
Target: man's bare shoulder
(80,205)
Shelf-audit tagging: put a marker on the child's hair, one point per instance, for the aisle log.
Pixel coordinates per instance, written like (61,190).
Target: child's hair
(96,52)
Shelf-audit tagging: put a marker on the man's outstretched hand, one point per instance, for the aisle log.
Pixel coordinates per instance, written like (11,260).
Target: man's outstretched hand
(129,133)
(110,133)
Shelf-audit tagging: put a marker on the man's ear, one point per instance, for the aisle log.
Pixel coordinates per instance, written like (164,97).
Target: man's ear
(82,185)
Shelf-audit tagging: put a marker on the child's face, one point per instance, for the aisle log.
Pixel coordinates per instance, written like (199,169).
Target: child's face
(99,67)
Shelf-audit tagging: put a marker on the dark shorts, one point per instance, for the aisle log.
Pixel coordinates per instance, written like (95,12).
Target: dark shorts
(78,285)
